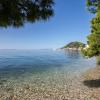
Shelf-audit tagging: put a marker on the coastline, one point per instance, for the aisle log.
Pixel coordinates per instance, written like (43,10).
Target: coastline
(69,49)
(72,89)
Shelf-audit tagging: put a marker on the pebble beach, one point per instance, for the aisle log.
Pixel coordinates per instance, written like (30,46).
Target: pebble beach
(61,88)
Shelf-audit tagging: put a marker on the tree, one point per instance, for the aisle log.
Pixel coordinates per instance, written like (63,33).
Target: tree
(17,12)
(94,38)
(93,5)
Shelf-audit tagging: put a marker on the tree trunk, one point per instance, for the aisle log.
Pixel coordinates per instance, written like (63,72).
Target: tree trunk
(98,60)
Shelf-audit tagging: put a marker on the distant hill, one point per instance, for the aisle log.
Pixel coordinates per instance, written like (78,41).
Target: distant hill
(74,45)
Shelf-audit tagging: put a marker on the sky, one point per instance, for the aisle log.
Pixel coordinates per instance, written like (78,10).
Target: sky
(71,22)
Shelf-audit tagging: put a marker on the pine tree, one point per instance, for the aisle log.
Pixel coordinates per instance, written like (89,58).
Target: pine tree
(93,48)
(17,12)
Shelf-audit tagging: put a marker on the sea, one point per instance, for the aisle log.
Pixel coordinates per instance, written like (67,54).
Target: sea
(40,69)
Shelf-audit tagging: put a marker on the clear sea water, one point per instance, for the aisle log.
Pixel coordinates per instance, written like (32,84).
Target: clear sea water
(38,67)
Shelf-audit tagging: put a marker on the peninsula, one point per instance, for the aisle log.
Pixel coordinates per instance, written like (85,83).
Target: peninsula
(74,46)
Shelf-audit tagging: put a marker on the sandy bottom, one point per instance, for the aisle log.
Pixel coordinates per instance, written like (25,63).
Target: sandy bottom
(57,87)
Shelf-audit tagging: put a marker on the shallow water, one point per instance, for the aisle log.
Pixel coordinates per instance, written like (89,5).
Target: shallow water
(40,69)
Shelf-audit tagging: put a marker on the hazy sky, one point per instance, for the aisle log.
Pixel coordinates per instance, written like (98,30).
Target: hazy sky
(70,23)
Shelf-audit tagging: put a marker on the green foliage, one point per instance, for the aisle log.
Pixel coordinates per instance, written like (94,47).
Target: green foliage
(93,5)
(94,37)
(75,44)
(17,12)
(94,44)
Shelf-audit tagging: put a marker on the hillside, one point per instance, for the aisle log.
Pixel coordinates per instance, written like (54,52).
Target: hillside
(74,45)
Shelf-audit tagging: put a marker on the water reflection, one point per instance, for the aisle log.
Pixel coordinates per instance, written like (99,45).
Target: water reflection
(72,53)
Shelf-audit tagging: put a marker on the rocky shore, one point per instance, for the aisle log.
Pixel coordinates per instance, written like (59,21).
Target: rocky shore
(80,87)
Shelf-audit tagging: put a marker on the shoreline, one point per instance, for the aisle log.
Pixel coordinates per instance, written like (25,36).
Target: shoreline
(70,49)
(77,88)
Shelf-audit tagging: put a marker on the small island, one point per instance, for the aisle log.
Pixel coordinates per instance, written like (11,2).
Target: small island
(74,46)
